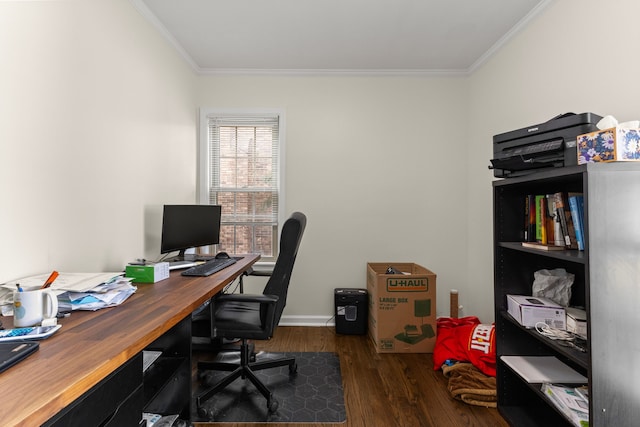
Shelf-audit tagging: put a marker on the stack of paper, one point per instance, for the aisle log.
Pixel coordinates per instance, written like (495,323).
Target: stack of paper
(106,294)
(157,420)
(570,402)
(78,291)
(148,357)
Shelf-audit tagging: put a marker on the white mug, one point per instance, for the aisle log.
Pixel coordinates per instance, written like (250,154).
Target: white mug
(31,307)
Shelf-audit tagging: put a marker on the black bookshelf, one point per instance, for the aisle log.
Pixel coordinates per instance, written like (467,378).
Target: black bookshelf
(607,284)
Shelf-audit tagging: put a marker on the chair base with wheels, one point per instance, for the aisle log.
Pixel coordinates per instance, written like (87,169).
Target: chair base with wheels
(246,370)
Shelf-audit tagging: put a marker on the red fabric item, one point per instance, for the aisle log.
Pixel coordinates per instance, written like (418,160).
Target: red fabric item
(465,340)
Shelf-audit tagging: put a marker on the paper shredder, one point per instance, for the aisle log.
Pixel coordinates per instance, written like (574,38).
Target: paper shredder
(351,311)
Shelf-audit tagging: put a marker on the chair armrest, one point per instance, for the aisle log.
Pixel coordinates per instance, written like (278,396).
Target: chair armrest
(258,298)
(251,272)
(262,273)
(267,307)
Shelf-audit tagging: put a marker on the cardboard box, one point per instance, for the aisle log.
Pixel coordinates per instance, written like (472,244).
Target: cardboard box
(402,308)
(148,273)
(577,321)
(528,311)
(609,145)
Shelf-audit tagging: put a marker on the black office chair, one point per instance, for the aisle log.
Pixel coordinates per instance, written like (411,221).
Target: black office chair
(254,317)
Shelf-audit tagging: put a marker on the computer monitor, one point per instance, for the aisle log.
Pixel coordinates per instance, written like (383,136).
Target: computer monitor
(189,226)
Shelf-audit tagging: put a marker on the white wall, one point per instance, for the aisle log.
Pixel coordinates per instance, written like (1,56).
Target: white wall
(578,56)
(378,165)
(97,130)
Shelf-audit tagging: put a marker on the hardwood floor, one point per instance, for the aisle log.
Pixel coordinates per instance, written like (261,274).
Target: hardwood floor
(383,389)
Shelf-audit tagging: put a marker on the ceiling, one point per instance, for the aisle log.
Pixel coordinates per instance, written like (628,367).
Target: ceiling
(338,36)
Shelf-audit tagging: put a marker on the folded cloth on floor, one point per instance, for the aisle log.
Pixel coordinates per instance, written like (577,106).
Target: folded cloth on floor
(468,384)
(465,339)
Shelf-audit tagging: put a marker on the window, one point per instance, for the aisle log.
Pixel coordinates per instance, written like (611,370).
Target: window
(240,169)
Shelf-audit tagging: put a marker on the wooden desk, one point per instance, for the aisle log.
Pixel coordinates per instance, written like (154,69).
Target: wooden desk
(92,345)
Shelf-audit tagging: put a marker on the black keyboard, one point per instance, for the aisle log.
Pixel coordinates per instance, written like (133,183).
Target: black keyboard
(209,267)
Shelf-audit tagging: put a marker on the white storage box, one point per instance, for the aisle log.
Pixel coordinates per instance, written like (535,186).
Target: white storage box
(528,311)
(577,321)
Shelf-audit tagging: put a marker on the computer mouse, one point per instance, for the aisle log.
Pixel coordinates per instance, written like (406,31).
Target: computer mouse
(222,255)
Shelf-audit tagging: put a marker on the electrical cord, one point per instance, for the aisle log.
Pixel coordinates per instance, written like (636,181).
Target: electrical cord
(553,333)
(226,289)
(326,324)
(561,336)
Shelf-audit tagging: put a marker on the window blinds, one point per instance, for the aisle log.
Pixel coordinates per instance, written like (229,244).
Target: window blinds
(244,169)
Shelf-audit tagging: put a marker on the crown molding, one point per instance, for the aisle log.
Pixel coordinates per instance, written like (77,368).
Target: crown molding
(330,72)
(151,17)
(509,35)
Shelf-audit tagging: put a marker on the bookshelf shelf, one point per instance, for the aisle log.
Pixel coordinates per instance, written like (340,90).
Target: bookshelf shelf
(607,274)
(575,356)
(569,255)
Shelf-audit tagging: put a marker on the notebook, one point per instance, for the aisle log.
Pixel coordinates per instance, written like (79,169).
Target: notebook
(14,351)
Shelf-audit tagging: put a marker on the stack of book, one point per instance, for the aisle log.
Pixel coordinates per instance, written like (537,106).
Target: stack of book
(554,221)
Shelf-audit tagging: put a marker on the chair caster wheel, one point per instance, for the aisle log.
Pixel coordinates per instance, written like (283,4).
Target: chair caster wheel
(272,405)
(205,414)
(205,378)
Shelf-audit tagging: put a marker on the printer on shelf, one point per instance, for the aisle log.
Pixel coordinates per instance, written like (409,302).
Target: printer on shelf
(546,145)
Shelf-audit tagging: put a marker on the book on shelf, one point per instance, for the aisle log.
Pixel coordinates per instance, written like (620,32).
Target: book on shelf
(530,218)
(576,206)
(544,231)
(525,229)
(564,217)
(530,212)
(542,246)
(543,215)
(538,211)
(569,402)
(554,234)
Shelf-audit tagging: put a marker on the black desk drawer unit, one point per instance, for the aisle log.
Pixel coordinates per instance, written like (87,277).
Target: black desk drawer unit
(115,401)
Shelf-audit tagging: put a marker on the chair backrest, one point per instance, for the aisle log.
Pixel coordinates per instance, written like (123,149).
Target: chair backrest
(278,283)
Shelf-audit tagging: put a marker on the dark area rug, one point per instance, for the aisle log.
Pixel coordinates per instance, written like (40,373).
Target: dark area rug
(313,394)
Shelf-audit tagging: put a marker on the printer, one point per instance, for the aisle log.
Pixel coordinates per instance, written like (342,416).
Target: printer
(550,144)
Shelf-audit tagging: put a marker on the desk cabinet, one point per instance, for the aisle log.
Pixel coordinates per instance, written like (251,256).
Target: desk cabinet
(167,382)
(164,388)
(116,401)
(607,284)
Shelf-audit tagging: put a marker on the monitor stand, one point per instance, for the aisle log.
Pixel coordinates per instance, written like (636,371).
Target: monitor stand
(181,261)
(182,257)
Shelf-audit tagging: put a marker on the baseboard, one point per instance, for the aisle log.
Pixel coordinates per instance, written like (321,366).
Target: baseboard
(292,320)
